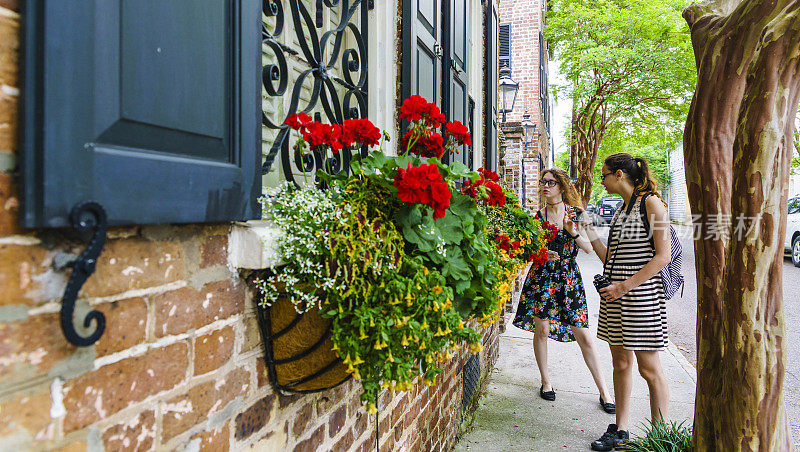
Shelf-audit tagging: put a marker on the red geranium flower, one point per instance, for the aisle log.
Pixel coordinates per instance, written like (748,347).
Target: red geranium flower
(497,196)
(459,132)
(317,134)
(430,145)
(423,184)
(298,121)
(413,108)
(491,175)
(360,131)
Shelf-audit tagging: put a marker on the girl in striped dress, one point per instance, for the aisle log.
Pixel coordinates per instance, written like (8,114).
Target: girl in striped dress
(633,315)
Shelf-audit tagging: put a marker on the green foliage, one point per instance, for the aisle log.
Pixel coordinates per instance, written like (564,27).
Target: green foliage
(629,68)
(645,142)
(662,437)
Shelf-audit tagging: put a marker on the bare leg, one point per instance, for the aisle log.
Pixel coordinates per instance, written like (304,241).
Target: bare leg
(623,381)
(540,335)
(585,342)
(651,371)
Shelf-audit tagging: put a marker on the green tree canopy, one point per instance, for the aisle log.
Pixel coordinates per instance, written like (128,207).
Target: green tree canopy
(629,68)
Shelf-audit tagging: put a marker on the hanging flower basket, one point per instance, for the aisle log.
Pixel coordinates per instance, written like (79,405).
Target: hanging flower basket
(298,346)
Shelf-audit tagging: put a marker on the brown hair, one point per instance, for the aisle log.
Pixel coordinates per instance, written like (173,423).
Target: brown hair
(638,171)
(568,192)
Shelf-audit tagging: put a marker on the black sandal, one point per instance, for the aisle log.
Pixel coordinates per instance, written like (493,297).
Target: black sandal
(549,395)
(609,408)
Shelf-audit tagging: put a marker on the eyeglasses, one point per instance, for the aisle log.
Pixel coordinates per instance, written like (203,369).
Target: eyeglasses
(606,175)
(548,183)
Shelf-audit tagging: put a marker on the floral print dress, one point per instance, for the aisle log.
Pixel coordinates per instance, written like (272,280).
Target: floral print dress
(554,291)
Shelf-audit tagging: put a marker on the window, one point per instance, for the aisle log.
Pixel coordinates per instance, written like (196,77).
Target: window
(505,45)
(149,108)
(794,205)
(320,68)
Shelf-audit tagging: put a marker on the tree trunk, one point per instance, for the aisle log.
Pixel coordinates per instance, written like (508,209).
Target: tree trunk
(737,151)
(588,127)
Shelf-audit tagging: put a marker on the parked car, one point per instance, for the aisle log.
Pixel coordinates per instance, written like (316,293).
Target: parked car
(792,243)
(606,209)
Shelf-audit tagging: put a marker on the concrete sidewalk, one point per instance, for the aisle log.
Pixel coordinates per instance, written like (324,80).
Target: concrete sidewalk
(512,417)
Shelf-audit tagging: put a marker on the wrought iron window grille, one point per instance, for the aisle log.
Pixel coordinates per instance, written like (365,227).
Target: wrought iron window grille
(321,53)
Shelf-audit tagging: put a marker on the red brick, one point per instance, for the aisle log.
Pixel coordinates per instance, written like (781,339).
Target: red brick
(301,419)
(337,420)
(27,415)
(361,424)
(182,412)
(344,442)
(109,389)
(215,440)
(32,346)
(330,398)
(261,373)
(138,434)
(313,442)
(21,268)
(9,203)
(126,325)
(214,251)
(135,263)
(252,334)
(255,417)
(213,350)
(180,310)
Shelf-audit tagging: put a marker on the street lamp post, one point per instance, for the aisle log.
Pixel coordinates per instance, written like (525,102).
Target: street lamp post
(508,91)
(528,129)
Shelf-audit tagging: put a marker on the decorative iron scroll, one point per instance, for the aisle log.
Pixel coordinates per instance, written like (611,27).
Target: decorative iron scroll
(322,55)
(86,216)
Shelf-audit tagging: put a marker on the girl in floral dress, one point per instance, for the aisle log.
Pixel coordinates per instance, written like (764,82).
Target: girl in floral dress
(553,301)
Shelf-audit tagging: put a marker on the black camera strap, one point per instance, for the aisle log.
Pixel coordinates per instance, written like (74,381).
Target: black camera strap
(628,210)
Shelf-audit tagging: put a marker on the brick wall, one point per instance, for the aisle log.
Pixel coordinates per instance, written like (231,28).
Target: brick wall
(180,366)
(527,20)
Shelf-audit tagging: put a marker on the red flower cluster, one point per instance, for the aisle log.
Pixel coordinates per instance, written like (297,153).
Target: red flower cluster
(423,184)
(550,230)
(538,258)
(495,194)
(459,132)
(416,108)
(335,136)
(488,174)
(360,131)
(429,145)
(505,244)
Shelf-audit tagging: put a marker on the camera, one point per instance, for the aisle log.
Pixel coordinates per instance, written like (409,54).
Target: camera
(601,281)
(578,218)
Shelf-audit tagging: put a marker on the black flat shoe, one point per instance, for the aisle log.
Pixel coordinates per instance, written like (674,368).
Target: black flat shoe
(549,395)
(609,407)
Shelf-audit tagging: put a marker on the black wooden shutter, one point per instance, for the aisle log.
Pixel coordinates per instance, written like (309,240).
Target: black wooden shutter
(504,37)
(149,107)
(422,51)
(456,68)
(543,81)
(491,21)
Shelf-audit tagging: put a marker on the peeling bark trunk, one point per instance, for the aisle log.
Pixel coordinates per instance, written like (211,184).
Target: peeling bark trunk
(588,127)
(738,145)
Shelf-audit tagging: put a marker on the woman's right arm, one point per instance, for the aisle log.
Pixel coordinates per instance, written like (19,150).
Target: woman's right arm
(597,244)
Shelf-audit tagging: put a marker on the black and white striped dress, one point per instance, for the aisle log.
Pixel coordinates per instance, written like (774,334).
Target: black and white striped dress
(638,320)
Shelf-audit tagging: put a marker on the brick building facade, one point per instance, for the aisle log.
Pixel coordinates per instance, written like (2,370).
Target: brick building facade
(181,363)
(527,58)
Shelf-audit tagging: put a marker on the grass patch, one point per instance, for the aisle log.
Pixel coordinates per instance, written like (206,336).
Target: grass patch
(662,437)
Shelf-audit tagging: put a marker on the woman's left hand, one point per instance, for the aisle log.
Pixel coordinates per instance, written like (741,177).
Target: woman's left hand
(614,292)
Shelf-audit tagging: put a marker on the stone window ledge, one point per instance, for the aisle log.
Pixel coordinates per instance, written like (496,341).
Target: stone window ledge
(254,245)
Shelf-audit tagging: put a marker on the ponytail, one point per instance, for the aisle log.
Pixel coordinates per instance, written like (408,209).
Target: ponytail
(638,171)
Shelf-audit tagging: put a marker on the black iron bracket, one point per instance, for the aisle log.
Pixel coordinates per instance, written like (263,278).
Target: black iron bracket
(87,216)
